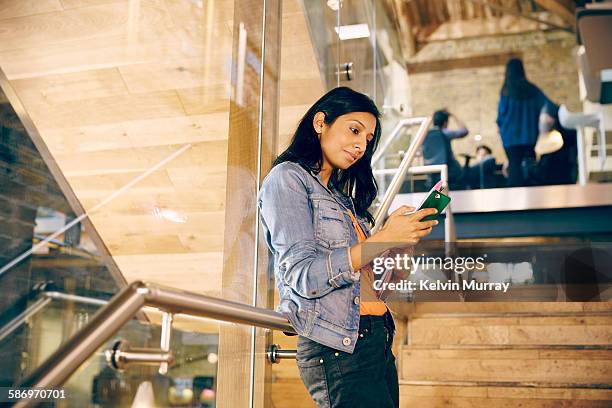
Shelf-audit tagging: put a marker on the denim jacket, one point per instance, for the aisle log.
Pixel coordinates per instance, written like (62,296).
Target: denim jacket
(310,234)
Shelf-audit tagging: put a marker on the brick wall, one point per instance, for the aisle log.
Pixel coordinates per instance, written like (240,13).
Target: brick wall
(473,92)
(26,184)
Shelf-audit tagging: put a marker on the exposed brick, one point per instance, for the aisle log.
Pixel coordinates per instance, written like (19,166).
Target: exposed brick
(473,93)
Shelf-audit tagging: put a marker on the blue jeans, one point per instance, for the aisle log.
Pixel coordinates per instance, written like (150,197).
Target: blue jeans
(365,378)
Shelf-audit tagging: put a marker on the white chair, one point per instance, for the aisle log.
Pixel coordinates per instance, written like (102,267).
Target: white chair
(580,121)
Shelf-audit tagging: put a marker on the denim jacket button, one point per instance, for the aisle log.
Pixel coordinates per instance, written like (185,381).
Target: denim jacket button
(346,341)
(356,300)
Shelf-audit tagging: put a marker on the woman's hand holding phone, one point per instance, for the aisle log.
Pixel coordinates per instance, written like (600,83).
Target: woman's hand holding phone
(405,228)
(401,230)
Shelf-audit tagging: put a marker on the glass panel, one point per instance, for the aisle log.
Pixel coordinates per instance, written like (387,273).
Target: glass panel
(357,45)
(150,110)
(189,382)
(357,34)
(44,251)
(322,18)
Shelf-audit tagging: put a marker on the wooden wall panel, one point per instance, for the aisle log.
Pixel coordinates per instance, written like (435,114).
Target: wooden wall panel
(114,87)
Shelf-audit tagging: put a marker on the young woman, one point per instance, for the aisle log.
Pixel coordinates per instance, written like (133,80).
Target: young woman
(518,113)
(314,211)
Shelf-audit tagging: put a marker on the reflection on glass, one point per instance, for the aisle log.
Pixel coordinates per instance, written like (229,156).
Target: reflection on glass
(44,249)
(190,381)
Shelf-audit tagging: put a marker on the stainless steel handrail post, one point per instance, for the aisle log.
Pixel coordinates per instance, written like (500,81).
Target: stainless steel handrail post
(602,143)
(275,354)
(121,355)
(396,130)
(581,152)
(74,352)
(396,183)
(449,221)
(166,333)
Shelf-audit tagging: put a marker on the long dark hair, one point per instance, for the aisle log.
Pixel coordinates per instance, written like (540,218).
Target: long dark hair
(516,84)
(305,149)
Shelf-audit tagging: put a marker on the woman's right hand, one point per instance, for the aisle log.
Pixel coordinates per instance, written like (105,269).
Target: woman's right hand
(405,229)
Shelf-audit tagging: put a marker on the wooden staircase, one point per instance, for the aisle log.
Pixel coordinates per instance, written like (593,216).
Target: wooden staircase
(507,355)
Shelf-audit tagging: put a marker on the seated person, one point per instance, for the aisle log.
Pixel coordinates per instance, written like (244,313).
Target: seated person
(481,174)
(437,149)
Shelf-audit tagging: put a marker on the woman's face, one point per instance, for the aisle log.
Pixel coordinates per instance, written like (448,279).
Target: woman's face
(344,141)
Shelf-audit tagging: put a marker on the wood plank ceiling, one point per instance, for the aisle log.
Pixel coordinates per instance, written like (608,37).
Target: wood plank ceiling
(423,21)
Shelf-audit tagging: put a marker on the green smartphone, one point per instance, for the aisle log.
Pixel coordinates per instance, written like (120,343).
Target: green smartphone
(435,199)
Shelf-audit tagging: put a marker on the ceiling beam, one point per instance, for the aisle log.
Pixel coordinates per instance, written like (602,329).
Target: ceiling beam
(491,27)
(563,9)
(513,12)
(477,61)
(405,22)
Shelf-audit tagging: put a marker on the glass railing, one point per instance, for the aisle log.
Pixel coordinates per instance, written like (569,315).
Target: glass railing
(123,158)
(190,380)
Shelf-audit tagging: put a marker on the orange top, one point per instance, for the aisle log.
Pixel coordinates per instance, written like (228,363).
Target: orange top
(369,303)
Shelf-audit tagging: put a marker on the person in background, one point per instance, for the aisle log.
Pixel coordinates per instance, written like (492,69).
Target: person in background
(481,174)
(518,113)
(560,166)
(437,148)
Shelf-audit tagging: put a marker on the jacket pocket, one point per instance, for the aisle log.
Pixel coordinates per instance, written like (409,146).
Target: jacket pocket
(331,227)
(335,307)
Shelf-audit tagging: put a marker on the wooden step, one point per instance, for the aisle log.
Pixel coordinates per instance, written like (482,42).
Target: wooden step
(604,176)
(433,394)
(568,365)
(518,329)
(507,308)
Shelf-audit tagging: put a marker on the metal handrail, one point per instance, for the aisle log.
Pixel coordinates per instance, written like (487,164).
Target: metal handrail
(396,183)
(123,307)
(394,133)
(18,320)
(47,296)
